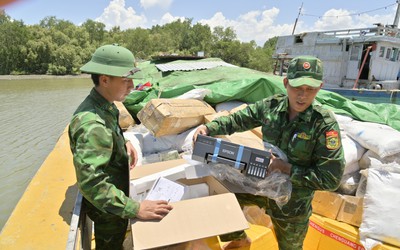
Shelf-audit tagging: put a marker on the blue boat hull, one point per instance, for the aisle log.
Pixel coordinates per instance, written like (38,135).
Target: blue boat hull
(369,95)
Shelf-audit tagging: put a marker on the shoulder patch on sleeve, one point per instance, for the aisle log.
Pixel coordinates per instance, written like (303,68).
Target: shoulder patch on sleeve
(332,139)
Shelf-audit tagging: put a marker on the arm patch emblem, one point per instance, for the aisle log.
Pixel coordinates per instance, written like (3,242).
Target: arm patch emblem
(332,139)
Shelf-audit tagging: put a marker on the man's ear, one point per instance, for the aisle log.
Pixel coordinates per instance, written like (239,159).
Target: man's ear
(285,82)
(103,80)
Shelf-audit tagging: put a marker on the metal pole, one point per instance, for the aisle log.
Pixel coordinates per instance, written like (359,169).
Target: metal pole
(297,18)
(396,18)
(362,66)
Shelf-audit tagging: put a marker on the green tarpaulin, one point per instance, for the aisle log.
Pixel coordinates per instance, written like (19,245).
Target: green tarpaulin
(246,85)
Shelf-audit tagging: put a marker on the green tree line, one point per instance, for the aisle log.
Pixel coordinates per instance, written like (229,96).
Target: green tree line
(59,47)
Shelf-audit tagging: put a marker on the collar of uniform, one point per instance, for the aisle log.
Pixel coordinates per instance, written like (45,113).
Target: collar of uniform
(102,102)
(306,114)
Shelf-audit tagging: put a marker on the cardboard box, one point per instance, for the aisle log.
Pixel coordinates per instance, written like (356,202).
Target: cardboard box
(351,210)
(125,119)
(143,177)
(327,203)
(191,219)
(339,235)
(262,238)
(385,247)
(173,116)
(246,138)
(314,233)
(326,234)
(148,169)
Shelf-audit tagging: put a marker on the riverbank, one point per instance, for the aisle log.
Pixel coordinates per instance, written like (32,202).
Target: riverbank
(30,77)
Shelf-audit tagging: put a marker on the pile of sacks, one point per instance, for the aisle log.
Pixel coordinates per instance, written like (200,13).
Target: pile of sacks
(372,171)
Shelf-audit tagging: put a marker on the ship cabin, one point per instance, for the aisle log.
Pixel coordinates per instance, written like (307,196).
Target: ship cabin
(353,58)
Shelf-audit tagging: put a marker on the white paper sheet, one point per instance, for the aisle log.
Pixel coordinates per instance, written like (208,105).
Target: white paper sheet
(164,189)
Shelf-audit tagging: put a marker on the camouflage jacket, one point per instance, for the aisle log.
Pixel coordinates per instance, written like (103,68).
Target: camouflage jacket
(311,141)
(100,157)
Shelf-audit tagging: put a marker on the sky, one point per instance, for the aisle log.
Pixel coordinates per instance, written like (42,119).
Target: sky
(251,19)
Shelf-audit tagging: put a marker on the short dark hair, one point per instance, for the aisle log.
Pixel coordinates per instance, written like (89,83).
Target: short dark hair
(96,79)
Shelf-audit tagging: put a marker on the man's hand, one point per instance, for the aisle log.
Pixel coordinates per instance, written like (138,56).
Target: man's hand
(150,210)
(278,165)
(202,130)
(132,154)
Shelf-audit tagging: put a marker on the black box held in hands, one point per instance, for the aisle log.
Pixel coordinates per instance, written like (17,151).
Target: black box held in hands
(250,161)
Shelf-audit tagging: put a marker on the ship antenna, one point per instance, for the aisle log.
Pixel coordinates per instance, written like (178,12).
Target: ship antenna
(396,19)
(297,18)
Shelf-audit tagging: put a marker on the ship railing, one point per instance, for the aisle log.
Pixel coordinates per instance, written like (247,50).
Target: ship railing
(360,32)
(80,233)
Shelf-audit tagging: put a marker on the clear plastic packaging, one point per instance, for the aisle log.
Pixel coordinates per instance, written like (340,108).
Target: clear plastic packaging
(275,150)
(276,186)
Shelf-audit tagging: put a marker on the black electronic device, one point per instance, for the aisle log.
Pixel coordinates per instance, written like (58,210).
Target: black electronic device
(250,161)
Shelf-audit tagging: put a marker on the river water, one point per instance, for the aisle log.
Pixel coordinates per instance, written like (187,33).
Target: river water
(33,114)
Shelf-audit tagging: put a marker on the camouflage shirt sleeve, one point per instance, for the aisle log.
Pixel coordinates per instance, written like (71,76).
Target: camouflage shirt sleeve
(239,121)
(92,148)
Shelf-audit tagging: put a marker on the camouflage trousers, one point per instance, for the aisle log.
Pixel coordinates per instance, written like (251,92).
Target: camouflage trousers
(109,230)
(290,222)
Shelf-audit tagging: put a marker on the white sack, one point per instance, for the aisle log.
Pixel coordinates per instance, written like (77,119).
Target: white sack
(370,159)
(343,119)
(349,183)
(353,152)
(198,94)
(381,203)
(362,185)
(137,141)
(381,139)
(153,145)
(351,168)
(228,106)
(180,142)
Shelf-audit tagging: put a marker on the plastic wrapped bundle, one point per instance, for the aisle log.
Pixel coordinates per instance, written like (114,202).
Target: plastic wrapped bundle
(276,186)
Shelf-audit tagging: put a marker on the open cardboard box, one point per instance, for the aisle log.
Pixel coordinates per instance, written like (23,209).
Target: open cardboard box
(191,219)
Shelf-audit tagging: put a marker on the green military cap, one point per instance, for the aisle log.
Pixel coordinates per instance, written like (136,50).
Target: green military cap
(112,60)
(305,70)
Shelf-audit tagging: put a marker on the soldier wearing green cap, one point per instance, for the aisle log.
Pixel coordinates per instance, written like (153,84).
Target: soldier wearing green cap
(100,153)
(310,137)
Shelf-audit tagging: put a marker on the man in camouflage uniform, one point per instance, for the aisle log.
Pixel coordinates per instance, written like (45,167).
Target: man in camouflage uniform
(100,153)
(310,137)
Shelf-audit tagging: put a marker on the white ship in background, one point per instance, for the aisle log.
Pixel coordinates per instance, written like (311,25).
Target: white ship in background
(361,59)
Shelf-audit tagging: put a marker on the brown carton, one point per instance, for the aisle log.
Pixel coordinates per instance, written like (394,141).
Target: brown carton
(191,219)
(125,119)
(327,203)
(351,210)
(173,116)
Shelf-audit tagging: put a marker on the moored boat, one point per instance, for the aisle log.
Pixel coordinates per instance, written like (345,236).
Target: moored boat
(359,63)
